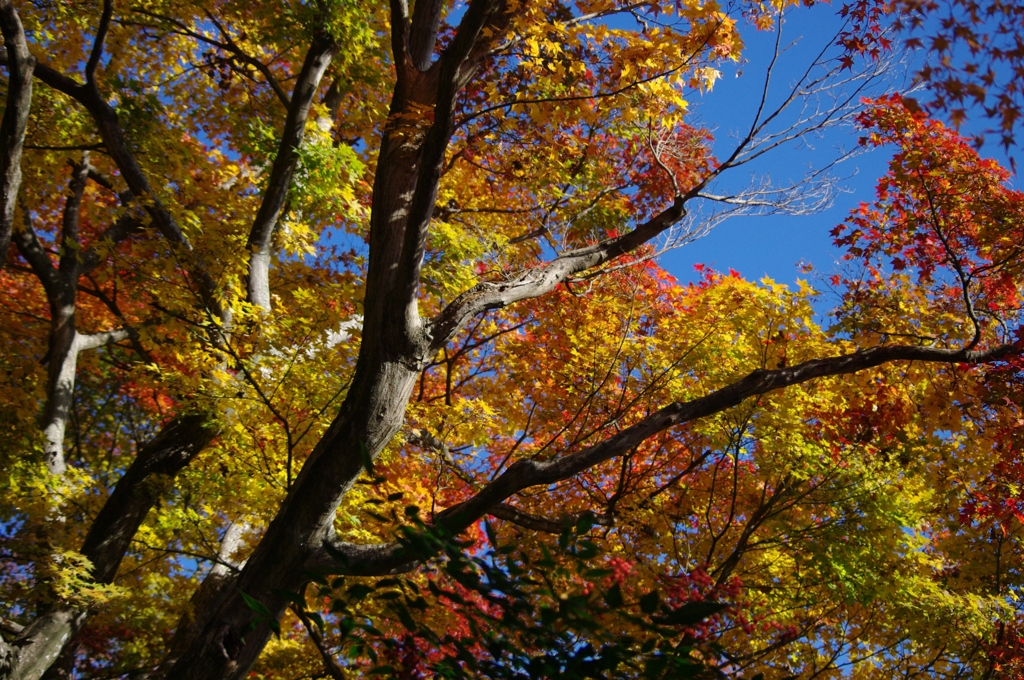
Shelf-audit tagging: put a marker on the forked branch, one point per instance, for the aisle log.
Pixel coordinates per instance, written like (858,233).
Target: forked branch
(348,558)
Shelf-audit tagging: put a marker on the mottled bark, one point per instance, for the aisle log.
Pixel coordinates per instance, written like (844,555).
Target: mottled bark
(393,351)
(20,64)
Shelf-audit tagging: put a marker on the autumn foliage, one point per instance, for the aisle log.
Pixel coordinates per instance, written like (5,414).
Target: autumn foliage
(335,344)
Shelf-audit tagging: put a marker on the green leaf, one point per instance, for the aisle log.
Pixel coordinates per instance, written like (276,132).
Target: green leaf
(359,591)
(294,598)
(492,537)
(614,596)
(367,459)
(256,606)
(585,523)
(649,602)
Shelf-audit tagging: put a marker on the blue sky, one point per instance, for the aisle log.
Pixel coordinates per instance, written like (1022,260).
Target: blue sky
(772,245)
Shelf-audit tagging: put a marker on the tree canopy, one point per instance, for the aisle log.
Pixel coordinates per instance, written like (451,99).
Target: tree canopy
(336,345)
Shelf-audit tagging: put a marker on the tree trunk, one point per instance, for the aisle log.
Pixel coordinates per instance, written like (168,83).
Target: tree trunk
(371,415)
(373,411)
(20,64)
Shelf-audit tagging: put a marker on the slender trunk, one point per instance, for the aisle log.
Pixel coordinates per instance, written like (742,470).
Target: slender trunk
(12,128)
(60,387)
(265,225)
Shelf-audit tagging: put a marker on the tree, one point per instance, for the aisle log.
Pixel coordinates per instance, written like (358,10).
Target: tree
(342,317)
(974,55)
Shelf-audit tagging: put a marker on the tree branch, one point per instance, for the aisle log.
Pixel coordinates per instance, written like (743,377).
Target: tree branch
(32,250)
(454,69)
(426,17)
(41,642)
(97,46)
(260,235)
(94,340)
(399,35)
(330,664)
(388,558)
(12,128)
(542,279)
(69,261)
(108,125)
(173,448)
(527,520)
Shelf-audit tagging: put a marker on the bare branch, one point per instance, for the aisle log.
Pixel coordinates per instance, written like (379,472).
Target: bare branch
(527,520)
(32,250)
(94,340)
(101,36)
(330,664)
(89,96)
(539,280)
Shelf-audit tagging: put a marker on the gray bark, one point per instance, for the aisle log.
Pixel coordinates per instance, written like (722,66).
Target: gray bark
(65,343)
(318,58)
(12,128)
(351,559)
(393,352)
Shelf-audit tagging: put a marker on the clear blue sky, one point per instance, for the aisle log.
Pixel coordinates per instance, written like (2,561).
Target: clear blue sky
(772,245)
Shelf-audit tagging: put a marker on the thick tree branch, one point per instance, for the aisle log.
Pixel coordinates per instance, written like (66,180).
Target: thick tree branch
(542,279)
(12,128)
(105,117)
(110,534)
(124,226)
(454,69)
(347,558)
(101,36)
(170,451)
(32,250)
(261,234)
(426,18)
(400,36)
(94,340)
